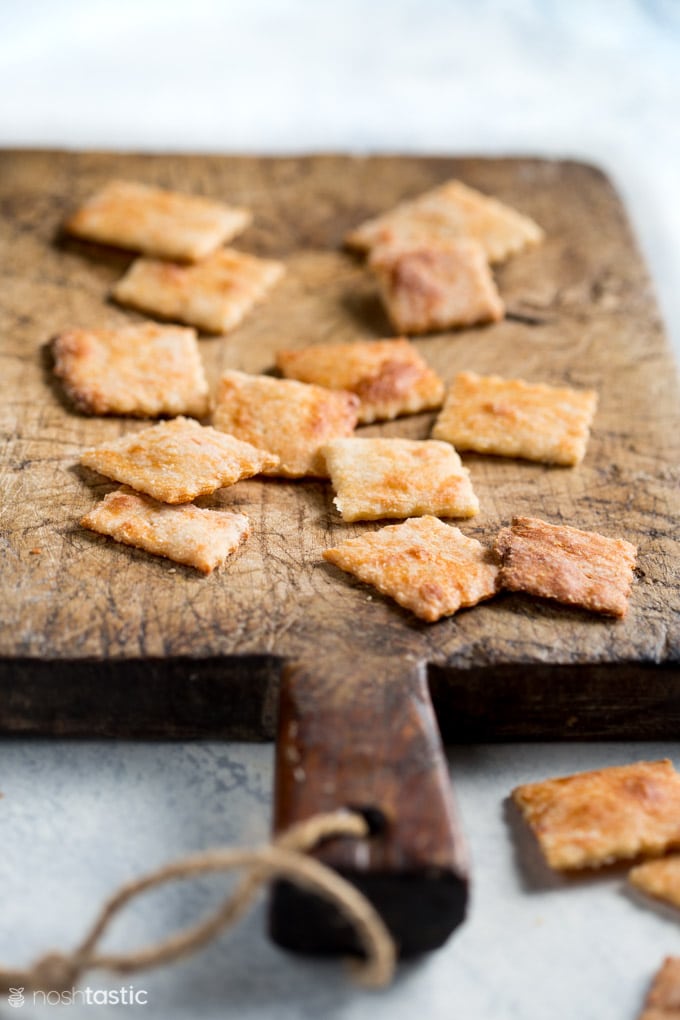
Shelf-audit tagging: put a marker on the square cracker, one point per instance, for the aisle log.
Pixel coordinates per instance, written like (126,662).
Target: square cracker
(187,534)
(154,221)
(427,566)
(427,288)
(177,460)
(389,376)
(214,295)
(448,212)
(292,419)
(595,818)
(660,879)
(579,568)
(663,1000)
(513,418)
(142,370)
(377,478)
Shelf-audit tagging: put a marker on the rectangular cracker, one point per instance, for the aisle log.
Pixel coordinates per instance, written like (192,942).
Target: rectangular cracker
(378,478)
(176,461)
(389,376)
(165,224)
(449,212)
(663,1000)
(142,370)
(214,295)
(660,879)
(292,419)
(513,418)
(595,818)
(425,565)
(579,568)
(428,288)
(186,534)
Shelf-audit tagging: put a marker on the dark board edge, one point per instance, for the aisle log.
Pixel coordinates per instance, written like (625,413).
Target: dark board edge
(236,698)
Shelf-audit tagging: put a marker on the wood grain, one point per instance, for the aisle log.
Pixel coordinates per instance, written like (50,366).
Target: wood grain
(86,623)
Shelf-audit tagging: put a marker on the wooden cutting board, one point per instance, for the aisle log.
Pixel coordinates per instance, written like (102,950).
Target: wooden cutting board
(99,638)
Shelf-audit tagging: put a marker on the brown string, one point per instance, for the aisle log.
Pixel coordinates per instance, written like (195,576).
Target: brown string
(285,858)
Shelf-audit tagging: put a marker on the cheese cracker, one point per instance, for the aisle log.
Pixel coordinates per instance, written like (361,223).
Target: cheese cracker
(513,418)
(166,224)
(187,534)
(292,419)
(449,212)
(214,295)
(428,288)
(579,568)
(176,461)
(377,478)
(595,818)
(660,879)
(389,376)
(663,1000)
(427,566)
(142,370)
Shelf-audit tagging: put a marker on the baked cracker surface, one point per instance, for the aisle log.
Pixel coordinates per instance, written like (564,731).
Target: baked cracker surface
(157,222)
(595,818)
(660,879)
(379,478)
(514,418)
(186,534)
(292,419)
(214,295)
(390,377)
(555,561)
(428,567)
(176,461)
(449,212)
(663,1000)
(142,370)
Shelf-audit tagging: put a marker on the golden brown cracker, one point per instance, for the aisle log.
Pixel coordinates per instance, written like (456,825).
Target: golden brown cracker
(214,295)
(157,222)
(390,377)
(450,212)
(142,370)
(177,460)
(292,419)
(430,288)
(595,818)
(187,534)
(513,418)
(663,1000)
(425,565)
(660,879)
(555,561)
(379,478)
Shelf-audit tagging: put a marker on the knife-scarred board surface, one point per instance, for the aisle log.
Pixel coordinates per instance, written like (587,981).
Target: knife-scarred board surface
(97,637)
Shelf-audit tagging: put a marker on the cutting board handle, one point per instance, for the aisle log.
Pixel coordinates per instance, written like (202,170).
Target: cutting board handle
(362,734)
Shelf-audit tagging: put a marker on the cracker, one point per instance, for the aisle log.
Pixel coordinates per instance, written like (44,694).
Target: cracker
(292,419)
(142,370)
(579,568)
(663,1000)
(660,879)
(378,478)
(167,224)
(214,295)
(389,376)
(448,212)
(426,288)
(187,534)
(595,818)
(427,566)
(513,418)
(177,460)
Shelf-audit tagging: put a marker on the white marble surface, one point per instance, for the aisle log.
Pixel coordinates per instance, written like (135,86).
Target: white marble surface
(595,80)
